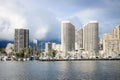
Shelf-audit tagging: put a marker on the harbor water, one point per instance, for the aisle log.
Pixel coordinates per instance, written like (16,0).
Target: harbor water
(60,70)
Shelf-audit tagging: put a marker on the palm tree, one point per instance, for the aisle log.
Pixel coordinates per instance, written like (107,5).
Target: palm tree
(2,51)
(27,51)
(52,53)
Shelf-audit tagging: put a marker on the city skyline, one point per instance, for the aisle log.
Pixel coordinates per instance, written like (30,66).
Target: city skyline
(42,16)
(59,39)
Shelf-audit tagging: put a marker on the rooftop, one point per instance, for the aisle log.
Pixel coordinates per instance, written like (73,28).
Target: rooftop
(66,21)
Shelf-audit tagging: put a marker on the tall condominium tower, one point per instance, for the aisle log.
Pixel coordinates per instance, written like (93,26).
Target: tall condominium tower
(21,39)
(67,37)
(90,37)
(111,42)
(76,39)
(80,38)
(116,32)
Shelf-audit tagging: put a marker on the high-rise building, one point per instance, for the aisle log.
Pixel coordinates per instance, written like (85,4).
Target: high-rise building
(107,38)
(21,39)
(80,38)
(116,32)
(76,39)
(90,37)
(111,42)
(67,37)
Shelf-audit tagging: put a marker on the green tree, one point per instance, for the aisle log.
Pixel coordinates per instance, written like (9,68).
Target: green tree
(27,52)
(118,54)
(52,53)
(2,51)
(20,54)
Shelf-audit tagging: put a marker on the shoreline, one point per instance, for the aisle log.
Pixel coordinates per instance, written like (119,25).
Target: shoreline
(77,59)
(67,60)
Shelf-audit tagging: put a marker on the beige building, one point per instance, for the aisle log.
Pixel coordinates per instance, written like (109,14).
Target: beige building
(116,32)
(58,47)
(54,46)
(90,37)
(67,37)
(107,40)
(111,42)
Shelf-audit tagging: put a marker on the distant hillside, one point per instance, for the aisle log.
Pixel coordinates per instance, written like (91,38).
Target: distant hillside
(3,43)
(41,43)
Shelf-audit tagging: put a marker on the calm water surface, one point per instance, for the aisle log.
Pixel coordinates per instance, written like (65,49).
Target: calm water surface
(62,70)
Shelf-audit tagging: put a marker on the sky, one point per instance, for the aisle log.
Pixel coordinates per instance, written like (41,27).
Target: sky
(43,17)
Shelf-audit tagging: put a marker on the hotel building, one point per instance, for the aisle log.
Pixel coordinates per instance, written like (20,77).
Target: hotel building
(67,37)
(21,39)
(90,37)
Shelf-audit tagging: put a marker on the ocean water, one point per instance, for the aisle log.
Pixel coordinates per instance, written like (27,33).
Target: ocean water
(60,70)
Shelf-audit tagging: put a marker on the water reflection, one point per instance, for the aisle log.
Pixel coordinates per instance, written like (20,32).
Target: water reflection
(71,70)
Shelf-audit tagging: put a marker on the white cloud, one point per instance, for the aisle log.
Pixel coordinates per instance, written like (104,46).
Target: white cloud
(41,33)
(9,20)
(23,15)
(43,18)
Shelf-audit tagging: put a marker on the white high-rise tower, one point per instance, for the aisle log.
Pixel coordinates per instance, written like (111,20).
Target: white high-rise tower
(90,37)
(67,37)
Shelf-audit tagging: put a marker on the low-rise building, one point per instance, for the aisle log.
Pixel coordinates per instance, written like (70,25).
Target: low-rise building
(48,47)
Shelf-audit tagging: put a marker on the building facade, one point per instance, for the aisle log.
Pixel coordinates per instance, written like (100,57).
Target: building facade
(48,47)
(67,37)
(58,47)
(35,46)
(116,32)
(111,42)
(80,39)
(21,39)
(90,37)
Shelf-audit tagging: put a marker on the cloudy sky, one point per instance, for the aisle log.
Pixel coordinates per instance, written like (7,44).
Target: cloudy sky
(43,17)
